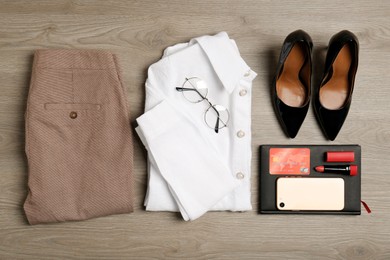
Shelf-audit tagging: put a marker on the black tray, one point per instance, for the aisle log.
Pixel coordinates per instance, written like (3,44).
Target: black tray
(317,157)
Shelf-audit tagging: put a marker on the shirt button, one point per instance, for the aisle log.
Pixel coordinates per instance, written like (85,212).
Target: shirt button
(243,92)
(240,134)
(73,115)
(240,175)
(247,73)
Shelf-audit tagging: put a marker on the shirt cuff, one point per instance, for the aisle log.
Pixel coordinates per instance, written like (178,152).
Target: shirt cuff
(197,177)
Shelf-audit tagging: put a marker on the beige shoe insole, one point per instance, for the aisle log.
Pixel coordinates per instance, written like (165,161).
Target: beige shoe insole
(335,92)
(289,87)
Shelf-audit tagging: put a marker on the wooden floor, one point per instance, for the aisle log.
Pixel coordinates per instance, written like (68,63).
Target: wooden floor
(138,31)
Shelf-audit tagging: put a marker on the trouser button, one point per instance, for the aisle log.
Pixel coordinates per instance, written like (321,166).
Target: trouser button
(73,115)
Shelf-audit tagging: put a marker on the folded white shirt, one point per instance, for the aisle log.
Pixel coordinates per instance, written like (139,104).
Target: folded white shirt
(193,169)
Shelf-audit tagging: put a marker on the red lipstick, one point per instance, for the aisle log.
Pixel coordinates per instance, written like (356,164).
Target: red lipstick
(340,169)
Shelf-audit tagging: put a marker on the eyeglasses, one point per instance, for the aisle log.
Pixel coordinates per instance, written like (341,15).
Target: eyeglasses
(195,90)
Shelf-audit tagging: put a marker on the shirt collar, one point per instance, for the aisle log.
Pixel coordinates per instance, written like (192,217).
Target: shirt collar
(225,58)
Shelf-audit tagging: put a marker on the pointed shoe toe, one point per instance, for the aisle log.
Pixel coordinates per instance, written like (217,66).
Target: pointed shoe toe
(331,121)
(291,118)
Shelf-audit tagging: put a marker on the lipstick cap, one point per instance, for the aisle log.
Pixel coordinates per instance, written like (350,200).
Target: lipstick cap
(340,156)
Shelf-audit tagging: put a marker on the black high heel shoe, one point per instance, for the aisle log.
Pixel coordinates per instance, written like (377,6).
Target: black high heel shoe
(291,86)
(332,98)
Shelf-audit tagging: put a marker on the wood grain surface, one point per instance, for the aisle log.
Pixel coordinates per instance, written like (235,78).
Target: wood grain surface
(138,31)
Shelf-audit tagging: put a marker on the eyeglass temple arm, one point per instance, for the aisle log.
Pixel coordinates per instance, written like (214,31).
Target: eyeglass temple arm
(217,125)
(181,89)
(184,89)
(216,129)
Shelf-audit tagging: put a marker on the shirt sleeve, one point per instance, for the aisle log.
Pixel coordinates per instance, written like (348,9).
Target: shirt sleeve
(196,176)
